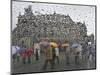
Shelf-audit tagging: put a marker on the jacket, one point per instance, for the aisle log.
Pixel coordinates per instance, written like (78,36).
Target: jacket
(48,53)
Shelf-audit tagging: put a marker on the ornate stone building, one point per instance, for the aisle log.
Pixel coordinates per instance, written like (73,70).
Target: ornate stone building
(54,26)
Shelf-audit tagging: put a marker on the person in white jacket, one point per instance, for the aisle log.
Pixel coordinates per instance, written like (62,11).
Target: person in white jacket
(57,54)
(37,51)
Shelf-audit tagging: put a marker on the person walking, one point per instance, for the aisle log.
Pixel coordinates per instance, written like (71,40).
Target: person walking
(37,51)
(67,51)
(55,51)
(15,53)
(18,54)
(57,54)
(78,54)
(29,53)
(24,55)
(53,54)
(48,57)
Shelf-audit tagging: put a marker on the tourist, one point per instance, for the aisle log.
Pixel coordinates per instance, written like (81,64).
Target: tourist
(48,57)
(24,55)
(78,54)
(53,54)
(48,54)
(67,51)
(57,54)
(29,53)
(15,53)
(37,51)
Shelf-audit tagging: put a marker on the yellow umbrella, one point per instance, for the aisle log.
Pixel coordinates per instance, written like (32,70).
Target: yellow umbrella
(65,45)
(53,44)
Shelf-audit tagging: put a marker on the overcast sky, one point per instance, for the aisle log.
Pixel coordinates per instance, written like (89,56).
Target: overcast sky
(77,13)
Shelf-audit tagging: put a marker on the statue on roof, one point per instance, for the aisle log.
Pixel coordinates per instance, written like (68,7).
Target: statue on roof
(28,11)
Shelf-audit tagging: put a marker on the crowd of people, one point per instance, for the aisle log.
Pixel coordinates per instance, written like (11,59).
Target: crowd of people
(50,49)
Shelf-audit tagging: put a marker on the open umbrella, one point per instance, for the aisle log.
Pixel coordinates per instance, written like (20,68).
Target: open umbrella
(53,44)
(15,49)
(65,45)
(21,50)
(74,45)
(44,44)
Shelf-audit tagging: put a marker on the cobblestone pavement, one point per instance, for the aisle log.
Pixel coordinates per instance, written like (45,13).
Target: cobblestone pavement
(36,66)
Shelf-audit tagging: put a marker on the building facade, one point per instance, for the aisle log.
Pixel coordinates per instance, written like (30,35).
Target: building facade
(53,26)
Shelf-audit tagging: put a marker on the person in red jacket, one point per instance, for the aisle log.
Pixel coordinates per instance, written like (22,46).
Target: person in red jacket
(24,55)
(29,53)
